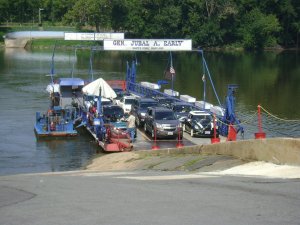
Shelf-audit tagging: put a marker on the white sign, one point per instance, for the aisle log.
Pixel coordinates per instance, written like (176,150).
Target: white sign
(93,36)
(102,36)
(148,45)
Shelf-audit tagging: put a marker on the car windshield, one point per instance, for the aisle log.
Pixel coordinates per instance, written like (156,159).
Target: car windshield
(113,111)
(145,105)
(164,115)
(120,93)
(182,108)
(118,90)
(166,101)
(200,118)
(105,102)
(89,97)
(129,101)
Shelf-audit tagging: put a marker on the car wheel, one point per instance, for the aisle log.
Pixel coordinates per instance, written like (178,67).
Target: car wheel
(145,128)
(183,127)
(192,132)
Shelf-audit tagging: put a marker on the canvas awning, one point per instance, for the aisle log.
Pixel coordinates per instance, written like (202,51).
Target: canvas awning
(51,88)
(94,87)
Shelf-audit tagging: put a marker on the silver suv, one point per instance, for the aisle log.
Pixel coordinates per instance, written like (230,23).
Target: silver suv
(163,121)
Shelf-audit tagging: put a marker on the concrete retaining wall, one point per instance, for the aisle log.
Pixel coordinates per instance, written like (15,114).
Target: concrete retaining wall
(16,43)
(274,150)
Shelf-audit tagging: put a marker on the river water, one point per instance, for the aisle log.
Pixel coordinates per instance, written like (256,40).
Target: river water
(271,79)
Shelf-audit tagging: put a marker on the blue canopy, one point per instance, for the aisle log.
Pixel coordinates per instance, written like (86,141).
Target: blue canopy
(71,82)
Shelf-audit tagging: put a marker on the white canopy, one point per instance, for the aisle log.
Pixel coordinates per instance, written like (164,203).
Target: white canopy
(51,88)
(93,88)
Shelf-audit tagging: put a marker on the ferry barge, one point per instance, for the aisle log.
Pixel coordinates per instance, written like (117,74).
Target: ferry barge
(104,134)
(65,106)
(68,104)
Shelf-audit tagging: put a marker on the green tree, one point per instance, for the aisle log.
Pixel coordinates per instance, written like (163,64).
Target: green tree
(209,23)
(96,13)
(286,12)
(54,10)
(134,23)
(5,11)
(167,22)
(119,14)
(253,23)
(258,30)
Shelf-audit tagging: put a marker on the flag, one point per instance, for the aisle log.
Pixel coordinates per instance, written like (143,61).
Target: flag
(169,74)
(172,70)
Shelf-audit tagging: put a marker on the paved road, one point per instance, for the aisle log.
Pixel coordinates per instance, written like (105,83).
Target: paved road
(144,141)
(147,197)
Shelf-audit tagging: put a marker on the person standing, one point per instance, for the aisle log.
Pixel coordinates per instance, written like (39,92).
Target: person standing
(131,126)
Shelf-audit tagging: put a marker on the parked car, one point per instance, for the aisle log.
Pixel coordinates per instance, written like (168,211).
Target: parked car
(163,121)
(181,110)
(120,93)
(139,109)
(165,101)
(199,123)
(112,113)
(91,100)
(126,103)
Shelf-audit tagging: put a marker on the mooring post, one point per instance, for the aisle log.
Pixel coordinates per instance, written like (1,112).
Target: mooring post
(260,134)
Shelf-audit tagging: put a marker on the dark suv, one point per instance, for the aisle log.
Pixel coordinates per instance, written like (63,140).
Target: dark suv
(181,110)
(139,108)
(165,101)
(163,121)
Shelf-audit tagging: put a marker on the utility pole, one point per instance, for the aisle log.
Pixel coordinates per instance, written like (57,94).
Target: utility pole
(40,19)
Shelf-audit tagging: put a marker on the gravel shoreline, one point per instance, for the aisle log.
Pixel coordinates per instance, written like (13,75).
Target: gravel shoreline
(277,157)
(164,162)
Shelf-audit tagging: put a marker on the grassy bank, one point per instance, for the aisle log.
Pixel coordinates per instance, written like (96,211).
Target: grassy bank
(46,43)
(60,43)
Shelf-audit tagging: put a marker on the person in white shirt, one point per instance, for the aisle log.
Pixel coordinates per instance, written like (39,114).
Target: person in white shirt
(131,126)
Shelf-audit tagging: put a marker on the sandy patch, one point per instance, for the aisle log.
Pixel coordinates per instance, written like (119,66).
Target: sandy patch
(116,161)
(265,169)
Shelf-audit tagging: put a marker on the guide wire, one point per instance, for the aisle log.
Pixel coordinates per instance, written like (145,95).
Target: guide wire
(276,117)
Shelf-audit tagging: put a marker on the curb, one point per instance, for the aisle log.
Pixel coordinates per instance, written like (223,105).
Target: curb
(274,150)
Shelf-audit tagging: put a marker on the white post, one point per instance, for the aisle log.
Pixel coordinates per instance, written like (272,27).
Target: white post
(40,19)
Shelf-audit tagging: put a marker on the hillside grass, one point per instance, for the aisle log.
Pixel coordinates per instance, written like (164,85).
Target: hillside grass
(46,43)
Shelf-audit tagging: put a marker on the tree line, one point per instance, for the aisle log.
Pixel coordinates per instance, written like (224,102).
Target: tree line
(252,24)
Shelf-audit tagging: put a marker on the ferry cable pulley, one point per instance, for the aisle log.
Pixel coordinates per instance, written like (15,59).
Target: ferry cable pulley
(229,115)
